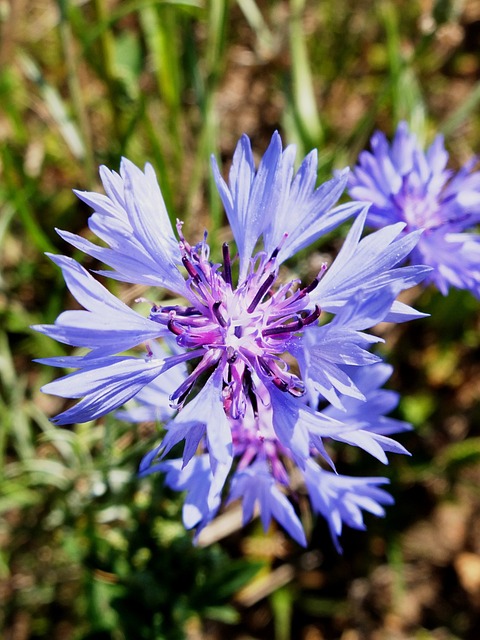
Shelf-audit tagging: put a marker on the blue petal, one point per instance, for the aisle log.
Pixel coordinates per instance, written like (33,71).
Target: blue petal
(370,412)
(256,485)
(307,214)
(368,264)
(196,479)
(105,387)
(134,222)
(204,415)
(107,324)
(152,402)
(251,196)
(340,499)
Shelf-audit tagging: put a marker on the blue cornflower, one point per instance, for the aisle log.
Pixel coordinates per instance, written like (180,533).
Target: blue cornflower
(405,183)
(238,369)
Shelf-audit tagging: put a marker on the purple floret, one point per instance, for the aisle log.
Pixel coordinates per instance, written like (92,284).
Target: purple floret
(405,184)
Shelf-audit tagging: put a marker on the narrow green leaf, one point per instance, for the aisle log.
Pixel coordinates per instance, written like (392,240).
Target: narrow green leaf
(303,93)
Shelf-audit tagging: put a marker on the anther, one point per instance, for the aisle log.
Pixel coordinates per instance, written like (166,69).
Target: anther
(262,291)
(280,384)
(216,312)
(264,366)
(190,268)
(183,311)
(276,251)
(227,265)
(249,389)
(313,285)
(232,355)
(176,399)
(309,288)
(171,326)
(209,359)
(284,328)
(314,315)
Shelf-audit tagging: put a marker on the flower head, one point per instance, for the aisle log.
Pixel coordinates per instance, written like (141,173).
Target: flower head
(405,183)
(247,357)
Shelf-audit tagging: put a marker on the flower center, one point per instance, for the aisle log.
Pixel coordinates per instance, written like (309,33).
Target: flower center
(254,437)
(246,330)
(417,206)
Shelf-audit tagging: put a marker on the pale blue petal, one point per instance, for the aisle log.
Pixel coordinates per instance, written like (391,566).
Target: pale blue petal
(134,222)
(153,402)
(290,430)
(367,264)
(105,387)
(251,196)
(308,220)
(195,478)
(107,323)
(204,415)
(255,485)
(340,499)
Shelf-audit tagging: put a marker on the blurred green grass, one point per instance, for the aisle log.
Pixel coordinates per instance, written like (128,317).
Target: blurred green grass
(86,550)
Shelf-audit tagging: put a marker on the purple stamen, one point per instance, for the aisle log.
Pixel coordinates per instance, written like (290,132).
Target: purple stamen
(280,384)
(227,265)
(216,312)
(179,395)
(314,283)
(285,328)
(296,325)
(314,315)
(276,251)
(190,269)
(171,326)
(232,355)
(262,291)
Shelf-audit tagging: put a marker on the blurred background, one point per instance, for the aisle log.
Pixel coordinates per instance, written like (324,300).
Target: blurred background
(88,551)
